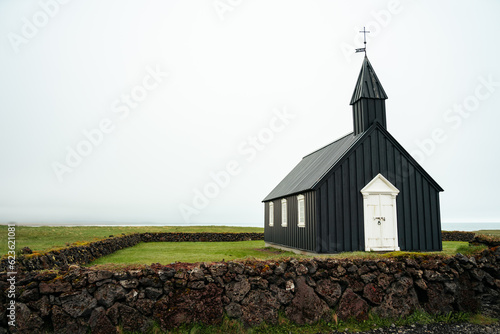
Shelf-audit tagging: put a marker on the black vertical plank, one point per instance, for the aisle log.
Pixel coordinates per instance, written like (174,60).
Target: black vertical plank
(360,183)
(353,200)
(367,160)
(427,215)
(405,192)
(331,215)
(312,221)
(317,221)
(399,199)
(420,211)
(366,116)
(434,218)
(382,149)
(391,164)
(338,212)
(294,235)
(332,238)
(266,224)
(295,232)
(374,154)
(413,207)
(324,217)
(439,222)
(346,217)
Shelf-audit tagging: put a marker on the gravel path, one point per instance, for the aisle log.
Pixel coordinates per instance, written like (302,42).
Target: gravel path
(440,329)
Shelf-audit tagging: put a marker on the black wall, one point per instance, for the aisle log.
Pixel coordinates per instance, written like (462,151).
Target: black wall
(340,203)
(365,112)
(303,238)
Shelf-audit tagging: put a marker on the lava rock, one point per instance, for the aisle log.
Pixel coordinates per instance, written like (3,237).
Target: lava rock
(306,306)
(352,306)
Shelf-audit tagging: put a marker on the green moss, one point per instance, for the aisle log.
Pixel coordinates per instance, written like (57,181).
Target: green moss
(81,243)
(285,326)
(32,255)
(480,319)
(47,238)
(412,255)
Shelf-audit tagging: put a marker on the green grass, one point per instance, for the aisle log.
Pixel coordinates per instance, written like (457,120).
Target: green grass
(470,250)
(285,326)
(489,232)
(45,238)
(170,252)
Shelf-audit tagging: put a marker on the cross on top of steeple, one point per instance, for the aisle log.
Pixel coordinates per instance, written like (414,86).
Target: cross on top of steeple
(364,31)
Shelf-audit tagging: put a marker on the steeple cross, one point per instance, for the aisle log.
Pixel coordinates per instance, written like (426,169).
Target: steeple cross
(364,31)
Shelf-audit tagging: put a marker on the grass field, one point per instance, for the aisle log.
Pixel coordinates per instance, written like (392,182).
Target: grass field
(170,252)
(45,238)
(490,232)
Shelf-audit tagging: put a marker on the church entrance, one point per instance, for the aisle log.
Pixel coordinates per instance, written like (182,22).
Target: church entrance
(380,219)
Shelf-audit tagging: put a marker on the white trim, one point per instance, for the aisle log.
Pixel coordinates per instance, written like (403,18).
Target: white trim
(284,215)
(376,190)
(271,214)
(375,186)
(301,203)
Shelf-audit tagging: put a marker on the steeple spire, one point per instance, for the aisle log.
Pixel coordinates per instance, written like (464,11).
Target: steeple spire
(368,99)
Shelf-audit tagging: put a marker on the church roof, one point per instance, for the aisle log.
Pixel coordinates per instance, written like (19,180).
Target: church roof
(313,167)
(368,84)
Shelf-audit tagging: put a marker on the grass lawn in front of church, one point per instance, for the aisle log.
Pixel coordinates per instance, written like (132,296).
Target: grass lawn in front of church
(190,252)
(171,252)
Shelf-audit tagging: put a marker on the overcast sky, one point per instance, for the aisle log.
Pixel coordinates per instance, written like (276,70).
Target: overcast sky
(191,112)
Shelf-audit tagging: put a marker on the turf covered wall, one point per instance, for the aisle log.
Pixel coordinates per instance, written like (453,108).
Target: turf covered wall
(81,300)
(88,252)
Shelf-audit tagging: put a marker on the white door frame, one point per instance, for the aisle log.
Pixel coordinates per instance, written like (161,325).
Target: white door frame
(380,186)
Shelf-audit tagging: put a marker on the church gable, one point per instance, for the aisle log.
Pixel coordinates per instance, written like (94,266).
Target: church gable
(377,151)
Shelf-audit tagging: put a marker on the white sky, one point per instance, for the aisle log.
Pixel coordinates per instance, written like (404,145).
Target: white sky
(231,66)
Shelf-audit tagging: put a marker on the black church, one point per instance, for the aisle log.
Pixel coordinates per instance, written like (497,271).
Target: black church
(363,192)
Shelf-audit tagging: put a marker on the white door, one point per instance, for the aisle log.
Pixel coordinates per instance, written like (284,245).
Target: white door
(380,221)
(379,199)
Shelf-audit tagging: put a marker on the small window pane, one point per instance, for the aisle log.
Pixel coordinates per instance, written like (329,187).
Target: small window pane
(302,213)
(271,214)
(283,213)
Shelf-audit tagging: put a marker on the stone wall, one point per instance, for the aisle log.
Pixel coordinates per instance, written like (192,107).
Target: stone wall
(84,254)
(457,236)
(87,253)
(79,299)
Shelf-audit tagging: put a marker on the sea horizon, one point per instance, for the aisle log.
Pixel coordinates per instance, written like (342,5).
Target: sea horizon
(445,226)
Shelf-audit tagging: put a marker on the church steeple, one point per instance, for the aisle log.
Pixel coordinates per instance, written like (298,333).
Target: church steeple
(368,100)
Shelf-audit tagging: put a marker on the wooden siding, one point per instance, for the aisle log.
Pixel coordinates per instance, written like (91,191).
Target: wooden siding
(303,238)
(365,112)
(340,226)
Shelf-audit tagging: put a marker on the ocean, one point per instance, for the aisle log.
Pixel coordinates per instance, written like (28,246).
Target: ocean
(444,226)
(469,226)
